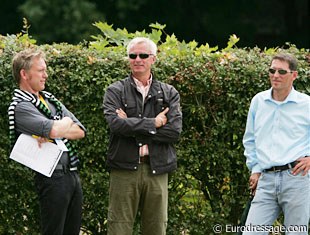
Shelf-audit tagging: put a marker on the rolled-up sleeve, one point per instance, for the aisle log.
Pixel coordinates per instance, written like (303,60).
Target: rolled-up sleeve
(29,120)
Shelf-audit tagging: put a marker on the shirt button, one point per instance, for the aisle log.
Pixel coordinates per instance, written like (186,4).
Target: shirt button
(135,168)
(140,144)
(153,171)
(152,132)
(140,115)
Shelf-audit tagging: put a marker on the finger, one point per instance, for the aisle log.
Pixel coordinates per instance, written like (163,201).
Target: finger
(163,117)
(297,168)
(122,112)
(296,171)
(165,111)
(305,172)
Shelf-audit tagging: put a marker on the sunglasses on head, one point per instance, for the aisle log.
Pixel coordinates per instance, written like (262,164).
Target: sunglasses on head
(141,55)
(280,71)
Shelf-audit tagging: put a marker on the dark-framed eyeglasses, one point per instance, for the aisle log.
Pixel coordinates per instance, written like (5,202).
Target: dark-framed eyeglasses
(280,71)
(142,56)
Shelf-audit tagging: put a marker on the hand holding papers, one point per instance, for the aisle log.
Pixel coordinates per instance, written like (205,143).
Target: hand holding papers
(43,160)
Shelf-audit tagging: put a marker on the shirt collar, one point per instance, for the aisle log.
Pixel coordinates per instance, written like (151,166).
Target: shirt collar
(292,96)
(140,84)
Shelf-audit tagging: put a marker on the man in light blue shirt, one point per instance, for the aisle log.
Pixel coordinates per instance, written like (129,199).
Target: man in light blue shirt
(277,148)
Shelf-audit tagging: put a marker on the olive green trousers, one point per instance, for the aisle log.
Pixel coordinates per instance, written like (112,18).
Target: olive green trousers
(133,191)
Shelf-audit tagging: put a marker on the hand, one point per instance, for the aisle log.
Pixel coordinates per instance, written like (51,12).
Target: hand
(67,120)
(161,118)
(303,165)
(41,140)
(253,182)
(121,113)
(61,127)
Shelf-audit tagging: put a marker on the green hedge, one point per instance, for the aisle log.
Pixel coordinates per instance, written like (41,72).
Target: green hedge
(210,186)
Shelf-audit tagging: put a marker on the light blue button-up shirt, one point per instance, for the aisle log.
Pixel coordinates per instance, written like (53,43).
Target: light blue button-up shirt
(276,132)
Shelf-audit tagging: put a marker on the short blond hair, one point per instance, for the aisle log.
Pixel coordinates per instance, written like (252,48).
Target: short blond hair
(24,60)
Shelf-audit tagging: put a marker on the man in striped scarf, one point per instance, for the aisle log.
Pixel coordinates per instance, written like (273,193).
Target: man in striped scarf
(38,113)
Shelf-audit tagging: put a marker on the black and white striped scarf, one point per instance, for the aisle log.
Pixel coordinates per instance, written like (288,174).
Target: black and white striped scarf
(19,96)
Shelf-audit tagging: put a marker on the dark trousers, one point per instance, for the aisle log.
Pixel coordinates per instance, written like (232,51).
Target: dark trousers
(60,199)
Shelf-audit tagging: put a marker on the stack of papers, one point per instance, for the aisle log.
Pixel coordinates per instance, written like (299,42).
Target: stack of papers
(41,159)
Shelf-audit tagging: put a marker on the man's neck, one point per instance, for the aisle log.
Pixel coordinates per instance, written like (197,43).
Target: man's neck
(142,78)
(25,88)
(280,95)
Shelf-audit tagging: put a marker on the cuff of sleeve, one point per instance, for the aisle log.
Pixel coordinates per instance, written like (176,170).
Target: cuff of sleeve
(256,169)
(150,126)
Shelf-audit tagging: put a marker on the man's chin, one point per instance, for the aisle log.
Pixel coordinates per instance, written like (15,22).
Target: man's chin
(275,85)
(138,73)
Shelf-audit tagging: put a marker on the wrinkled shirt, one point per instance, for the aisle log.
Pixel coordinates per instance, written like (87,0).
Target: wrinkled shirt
(277,133)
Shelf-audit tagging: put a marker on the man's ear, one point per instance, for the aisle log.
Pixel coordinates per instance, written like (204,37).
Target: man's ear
(295,74)
(153,59)
(23,74)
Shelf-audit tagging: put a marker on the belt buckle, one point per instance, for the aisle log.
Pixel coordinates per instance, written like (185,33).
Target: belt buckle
(290,165)
(276,170)
(143,159)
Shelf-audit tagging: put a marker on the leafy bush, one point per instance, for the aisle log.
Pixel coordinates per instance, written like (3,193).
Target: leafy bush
(210,186)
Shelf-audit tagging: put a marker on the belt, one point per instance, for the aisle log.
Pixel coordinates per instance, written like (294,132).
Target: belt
(282,168)
(144,159)
(65,168)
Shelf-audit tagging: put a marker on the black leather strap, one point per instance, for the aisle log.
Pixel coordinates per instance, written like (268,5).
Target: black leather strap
(283,167)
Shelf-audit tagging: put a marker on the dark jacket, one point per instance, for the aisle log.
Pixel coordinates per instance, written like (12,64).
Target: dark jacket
(127,135)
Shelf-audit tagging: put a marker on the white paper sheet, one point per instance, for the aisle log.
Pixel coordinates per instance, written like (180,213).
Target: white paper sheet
(27,152)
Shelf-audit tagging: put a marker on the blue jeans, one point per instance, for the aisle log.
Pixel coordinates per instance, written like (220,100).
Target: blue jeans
(60,199)
(276,192)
